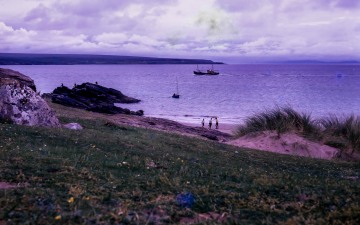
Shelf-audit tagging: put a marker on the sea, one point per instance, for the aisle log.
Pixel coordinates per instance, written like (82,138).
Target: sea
(238,92)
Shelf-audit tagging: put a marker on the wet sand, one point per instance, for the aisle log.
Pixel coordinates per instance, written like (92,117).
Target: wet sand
(223,127)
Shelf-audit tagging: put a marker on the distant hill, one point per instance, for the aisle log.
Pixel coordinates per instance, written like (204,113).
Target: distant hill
(73,59)
(319,62)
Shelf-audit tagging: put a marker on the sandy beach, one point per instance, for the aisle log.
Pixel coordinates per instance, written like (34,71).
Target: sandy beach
(223,127)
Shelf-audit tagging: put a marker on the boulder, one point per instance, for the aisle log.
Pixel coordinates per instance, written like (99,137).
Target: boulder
(8,76)
(93,97)
(20,104)
(73,126)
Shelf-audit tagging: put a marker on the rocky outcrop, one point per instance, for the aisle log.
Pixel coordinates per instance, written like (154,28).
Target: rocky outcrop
(20,104)
(93,97)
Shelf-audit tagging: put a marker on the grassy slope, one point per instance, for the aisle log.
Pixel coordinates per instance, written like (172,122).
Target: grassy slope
(108,172)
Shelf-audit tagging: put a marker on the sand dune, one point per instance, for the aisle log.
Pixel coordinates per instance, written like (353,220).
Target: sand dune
(288,143)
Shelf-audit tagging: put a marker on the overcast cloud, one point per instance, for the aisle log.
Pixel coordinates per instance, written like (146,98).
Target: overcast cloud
(214,29)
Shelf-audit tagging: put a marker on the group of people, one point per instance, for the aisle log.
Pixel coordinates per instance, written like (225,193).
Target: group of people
(210,122)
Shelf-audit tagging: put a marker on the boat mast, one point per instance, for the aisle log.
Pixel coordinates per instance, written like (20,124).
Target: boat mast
(177,86)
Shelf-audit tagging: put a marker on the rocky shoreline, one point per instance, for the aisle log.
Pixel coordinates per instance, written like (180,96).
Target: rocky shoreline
(20,103)
(93,97)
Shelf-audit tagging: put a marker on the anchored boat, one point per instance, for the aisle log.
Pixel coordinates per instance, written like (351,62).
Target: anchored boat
(208,72)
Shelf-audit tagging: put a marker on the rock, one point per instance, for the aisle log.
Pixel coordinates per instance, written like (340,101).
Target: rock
(210,136)
(73,126)
(12,77)
(20,104)
(93,97)
(139,112)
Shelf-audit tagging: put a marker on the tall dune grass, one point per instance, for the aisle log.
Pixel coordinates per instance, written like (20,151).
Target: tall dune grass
(280,119)
(347,128)
(343,133)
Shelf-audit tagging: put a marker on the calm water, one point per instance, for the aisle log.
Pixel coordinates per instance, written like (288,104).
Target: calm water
(239,91)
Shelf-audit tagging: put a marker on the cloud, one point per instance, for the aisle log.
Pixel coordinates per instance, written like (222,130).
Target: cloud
(5,29)
(350,4)
(9,35)
(40,12)
(243,5)
(186,28)
(31,41)
(111,38)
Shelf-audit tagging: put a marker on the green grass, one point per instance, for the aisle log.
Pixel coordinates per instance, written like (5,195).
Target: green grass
(105,174)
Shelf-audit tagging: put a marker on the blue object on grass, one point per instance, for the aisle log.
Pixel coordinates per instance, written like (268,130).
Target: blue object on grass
(185,199)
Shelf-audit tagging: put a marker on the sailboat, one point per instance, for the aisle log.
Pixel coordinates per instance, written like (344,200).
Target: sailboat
(176,95)
(199,72)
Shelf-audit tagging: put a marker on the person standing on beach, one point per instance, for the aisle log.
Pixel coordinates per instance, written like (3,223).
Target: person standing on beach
(203,122)
(216,123)
(210,123)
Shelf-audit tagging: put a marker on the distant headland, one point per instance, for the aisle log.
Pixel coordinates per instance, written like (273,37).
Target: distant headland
(74,59)
(316,62)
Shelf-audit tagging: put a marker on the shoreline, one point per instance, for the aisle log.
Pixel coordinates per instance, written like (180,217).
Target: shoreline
(290,143)
(223,127)
(190,129)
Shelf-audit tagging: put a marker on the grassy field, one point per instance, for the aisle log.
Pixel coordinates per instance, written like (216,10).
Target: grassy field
(110,174)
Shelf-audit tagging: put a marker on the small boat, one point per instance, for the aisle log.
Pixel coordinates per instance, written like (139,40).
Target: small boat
(199,72)
(208,72)
(176,95)
(212,72)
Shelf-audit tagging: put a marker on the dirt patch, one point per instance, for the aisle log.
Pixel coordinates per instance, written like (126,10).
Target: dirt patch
(288,143)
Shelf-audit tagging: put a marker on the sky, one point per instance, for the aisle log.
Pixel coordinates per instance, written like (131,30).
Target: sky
(232,31)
